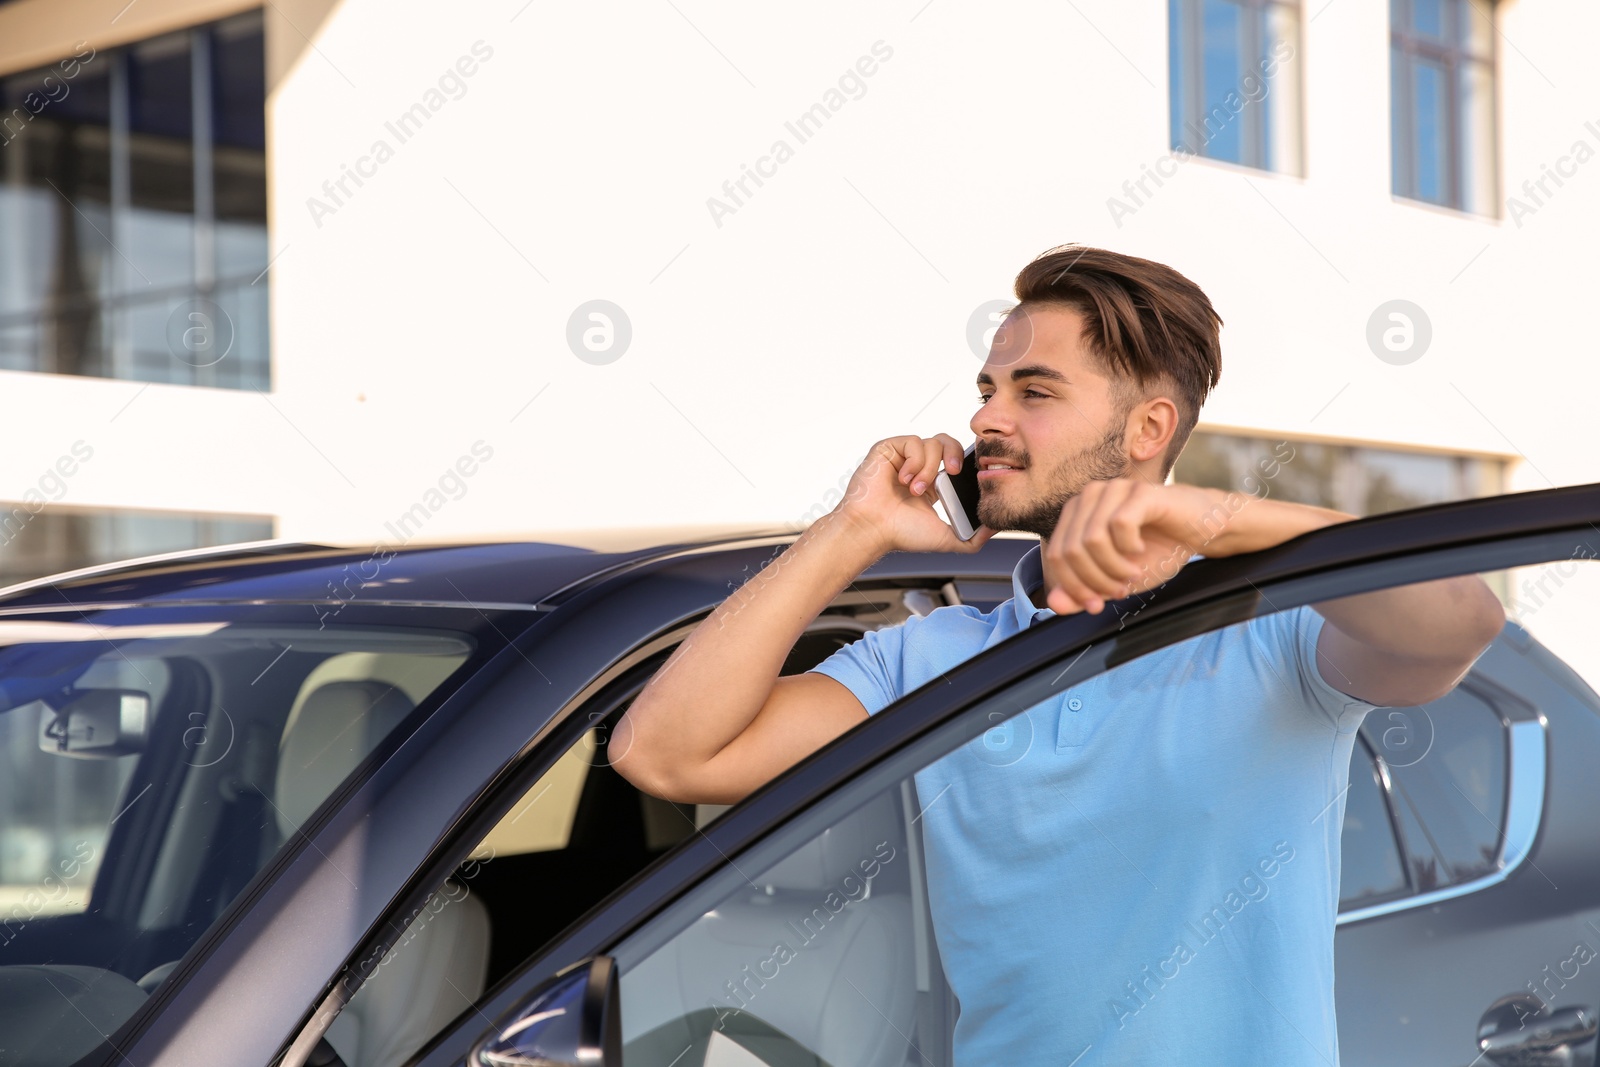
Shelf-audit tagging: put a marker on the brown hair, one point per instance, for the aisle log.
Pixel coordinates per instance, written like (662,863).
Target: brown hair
(1144,320)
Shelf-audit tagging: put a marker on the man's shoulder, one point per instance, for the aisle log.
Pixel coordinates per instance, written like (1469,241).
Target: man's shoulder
(952,617)
(948,625)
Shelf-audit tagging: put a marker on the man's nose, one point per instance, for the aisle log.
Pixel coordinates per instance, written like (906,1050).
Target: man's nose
(991,418)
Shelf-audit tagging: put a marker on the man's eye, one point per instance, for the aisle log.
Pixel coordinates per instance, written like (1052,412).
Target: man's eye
(1033,392)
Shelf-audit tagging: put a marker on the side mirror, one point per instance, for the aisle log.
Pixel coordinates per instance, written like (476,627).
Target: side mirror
(572,1020)
(98,724)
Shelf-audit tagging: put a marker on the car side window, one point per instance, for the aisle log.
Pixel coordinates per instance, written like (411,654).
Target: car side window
(576,833)
(820,958)
(1447,766)
(1036,854)
(1370,867)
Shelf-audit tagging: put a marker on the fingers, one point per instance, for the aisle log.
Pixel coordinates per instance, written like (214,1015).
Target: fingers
(922,457)
(1077,576)
(1092,547)
(953,452)
(1116,510)
(979,539)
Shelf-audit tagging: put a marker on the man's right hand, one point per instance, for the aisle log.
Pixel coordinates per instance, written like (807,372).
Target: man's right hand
(717,720)
(890,497)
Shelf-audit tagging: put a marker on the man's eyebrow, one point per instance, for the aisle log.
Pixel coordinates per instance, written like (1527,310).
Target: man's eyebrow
(1032,370)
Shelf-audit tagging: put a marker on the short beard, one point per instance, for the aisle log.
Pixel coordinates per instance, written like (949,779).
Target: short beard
(1103,460)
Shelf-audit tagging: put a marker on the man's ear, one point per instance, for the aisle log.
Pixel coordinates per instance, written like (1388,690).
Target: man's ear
(1151,424)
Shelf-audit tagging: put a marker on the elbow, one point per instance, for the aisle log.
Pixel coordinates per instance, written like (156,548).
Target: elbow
(1488,621)
(642,765)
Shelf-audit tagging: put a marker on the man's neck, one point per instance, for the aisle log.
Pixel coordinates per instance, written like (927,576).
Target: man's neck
(1036,594)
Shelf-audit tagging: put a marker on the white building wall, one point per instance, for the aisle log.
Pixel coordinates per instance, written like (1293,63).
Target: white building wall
(428,310)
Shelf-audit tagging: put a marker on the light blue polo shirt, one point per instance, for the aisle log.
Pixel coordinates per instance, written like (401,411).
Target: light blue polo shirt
(1143,869)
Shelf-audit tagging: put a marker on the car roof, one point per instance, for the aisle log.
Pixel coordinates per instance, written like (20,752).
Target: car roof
(479,571)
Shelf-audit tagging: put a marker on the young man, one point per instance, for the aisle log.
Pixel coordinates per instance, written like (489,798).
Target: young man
(1073,891)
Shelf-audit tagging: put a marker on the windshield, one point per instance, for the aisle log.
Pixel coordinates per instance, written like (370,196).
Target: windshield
(148,770)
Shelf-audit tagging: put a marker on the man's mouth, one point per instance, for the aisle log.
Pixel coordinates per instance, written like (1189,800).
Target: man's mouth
(990,469)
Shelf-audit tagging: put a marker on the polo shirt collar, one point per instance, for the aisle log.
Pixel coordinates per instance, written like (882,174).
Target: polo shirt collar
(1028,574)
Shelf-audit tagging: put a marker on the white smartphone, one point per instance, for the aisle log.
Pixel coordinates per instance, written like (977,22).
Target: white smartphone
(959,495)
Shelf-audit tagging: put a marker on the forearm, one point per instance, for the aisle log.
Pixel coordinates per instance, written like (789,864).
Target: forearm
(717,680)
(1261,523)
(1448,620)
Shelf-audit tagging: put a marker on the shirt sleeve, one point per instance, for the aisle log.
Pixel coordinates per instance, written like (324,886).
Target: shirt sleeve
(1296,632)
(871,666)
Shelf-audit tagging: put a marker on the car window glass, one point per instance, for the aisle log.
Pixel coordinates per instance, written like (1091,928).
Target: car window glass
(1447,768)
(573,835)
(151,769)
(1369,855)
(55,814)
(726,972)
(1103,868)
(542,819)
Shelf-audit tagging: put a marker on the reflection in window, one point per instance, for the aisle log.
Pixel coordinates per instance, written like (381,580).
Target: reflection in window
(1357,479)
(133,209)
(1370,860)
(117,858)
(1449,793)
(51,541)
(1442,85)
(1236,81)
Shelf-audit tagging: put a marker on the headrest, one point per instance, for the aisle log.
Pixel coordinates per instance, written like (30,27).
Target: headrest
(825,861)
(333,730)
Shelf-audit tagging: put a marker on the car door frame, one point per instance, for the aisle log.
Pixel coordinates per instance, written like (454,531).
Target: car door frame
(1345,559)
(413,797)
(652,600)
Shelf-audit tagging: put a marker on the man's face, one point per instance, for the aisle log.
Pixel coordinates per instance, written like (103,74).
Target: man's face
(1050,410)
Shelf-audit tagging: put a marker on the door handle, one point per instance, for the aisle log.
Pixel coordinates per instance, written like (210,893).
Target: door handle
(1520,1030)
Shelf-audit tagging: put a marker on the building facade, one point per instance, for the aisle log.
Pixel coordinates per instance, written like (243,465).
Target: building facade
(370,272)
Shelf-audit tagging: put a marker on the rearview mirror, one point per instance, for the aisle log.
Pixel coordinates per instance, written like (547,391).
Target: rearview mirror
(98,724)
(573,1019)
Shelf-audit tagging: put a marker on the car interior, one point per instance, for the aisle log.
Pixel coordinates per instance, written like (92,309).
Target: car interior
(240,739)
(581,830)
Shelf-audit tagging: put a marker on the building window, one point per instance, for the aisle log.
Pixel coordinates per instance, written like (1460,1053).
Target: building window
(1235,81)
(1356,479)
(34,544)
(1442,92)
(133,211)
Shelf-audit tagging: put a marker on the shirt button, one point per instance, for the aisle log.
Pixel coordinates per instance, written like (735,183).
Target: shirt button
(1075,704)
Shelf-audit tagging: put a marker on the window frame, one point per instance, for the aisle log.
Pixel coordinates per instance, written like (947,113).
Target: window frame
(1405,48)
(607,695)
(1186,95)
(111,308)
(1463,537)
(1526,768)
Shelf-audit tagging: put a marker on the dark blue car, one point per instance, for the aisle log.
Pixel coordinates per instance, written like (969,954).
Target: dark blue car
(289,804)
